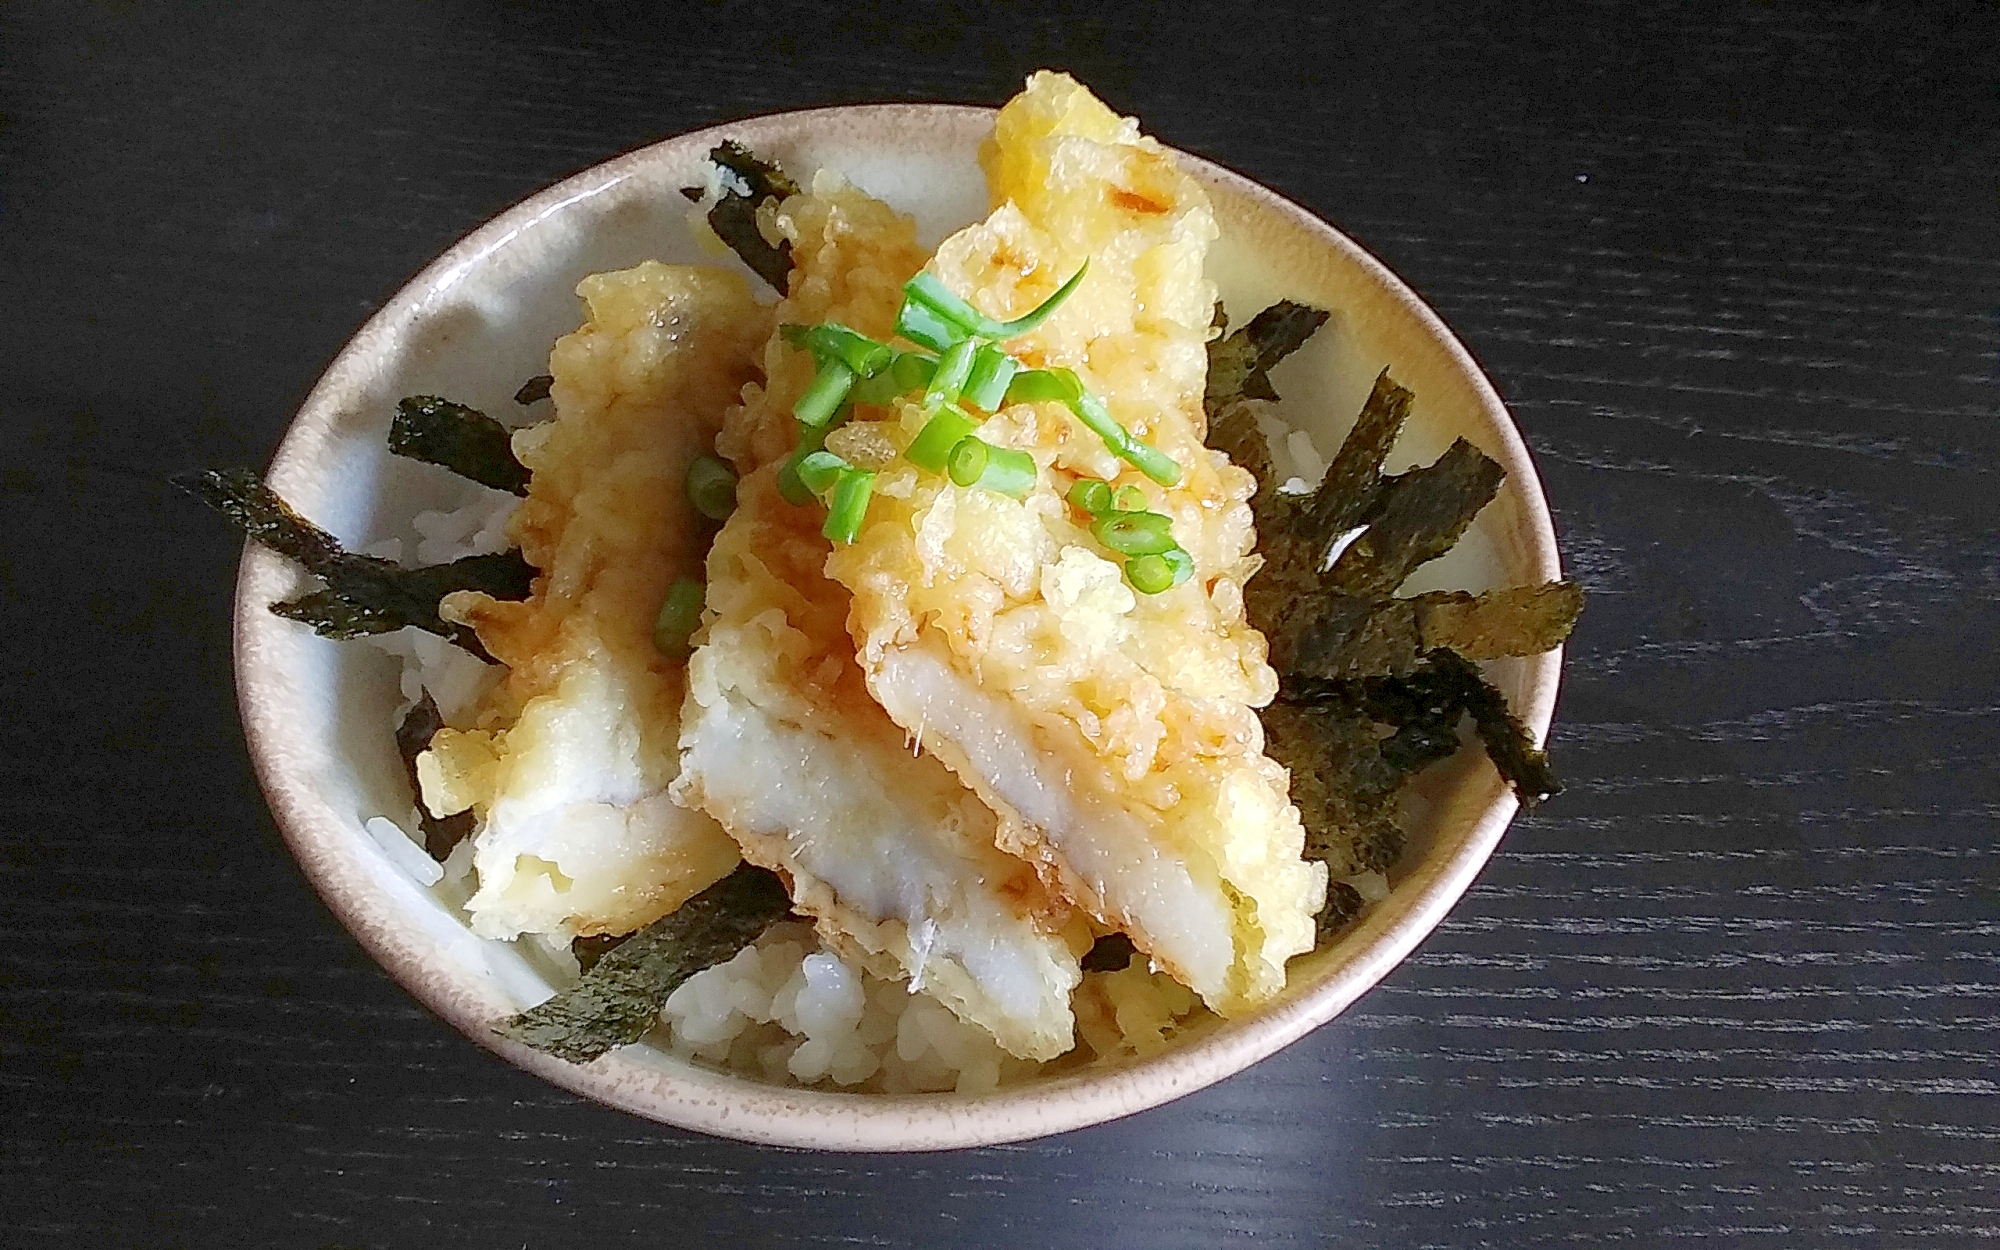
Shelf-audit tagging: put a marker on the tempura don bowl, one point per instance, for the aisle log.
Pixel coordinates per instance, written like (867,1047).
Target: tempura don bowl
(319,715)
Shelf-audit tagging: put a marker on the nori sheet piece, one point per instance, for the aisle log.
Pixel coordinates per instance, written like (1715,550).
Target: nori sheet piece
(464,440)
(1239,365)
(620,997)
(364,595)
(1339,636)
(420,724)
(1372,688)
(733,217)
(1111,953)
(534,390)
(588,950)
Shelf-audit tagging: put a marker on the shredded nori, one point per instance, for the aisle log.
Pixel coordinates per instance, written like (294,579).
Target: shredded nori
(534,390)
(1239,365)
(1111,953)
(1372,687)
(464,440)
(420,725)
(733,216)
(620,997)
(588,950)
(364,595)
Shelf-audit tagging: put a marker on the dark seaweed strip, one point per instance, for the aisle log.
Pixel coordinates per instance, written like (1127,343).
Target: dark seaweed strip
(364,594)
(1335,636)
(1110,953)
(1343,905)
(620,997)
(420,725)
(733,217)
(1519,620)
(332,614)
(1525,766)
(534,390)
(1239,365)
(1417,518)
(588,950)
(464,440)
(1347,493)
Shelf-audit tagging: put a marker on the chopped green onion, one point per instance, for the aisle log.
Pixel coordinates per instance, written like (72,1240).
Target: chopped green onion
(931,448)
(921,325)
(1134,533)
(810,441)
(711,487)
(819,470)
(1091,495)
(912,370)
(1004,470)
(1157,571)
(953,368)
(797,335)
(825,396)
(1131,499)
(680,616)
(1152,462)
(968,460)
(927,289)
(1034,385)
(849,505)
(833,341)
(992,370)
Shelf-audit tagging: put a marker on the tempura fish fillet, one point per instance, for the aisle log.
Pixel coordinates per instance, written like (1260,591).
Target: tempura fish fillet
(568,762)
(889,852)
(1115,733)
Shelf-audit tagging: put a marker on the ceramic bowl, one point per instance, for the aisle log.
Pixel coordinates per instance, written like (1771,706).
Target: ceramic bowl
(481,318)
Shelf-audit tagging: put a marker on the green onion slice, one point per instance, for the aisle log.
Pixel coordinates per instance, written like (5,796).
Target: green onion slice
(819,470)
(711,487)
(929,290)
(832,341)
(680,616)
(931,448)
(1034,385)
(810,441)
(953,368)
(1130,499)
(992,371)
(825,396)
(921,325)
(1134,533)
(1158,571)
(912,370)
(1091,495)
(975,462)
(849,505)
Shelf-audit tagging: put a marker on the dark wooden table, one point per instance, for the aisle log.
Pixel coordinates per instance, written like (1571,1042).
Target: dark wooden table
(1735,266)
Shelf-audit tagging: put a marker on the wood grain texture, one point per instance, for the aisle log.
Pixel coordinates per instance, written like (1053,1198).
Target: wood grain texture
(1736,268)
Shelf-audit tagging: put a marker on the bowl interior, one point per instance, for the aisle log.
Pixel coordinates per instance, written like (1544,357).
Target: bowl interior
(480,320)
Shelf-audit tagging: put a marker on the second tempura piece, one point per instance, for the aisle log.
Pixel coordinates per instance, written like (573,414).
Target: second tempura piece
(888,852)
(1115,732)
(568,765)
